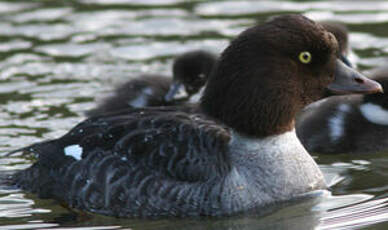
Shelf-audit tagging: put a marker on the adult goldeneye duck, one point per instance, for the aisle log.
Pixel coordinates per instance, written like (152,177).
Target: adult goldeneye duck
(240,153)
(190,73)
(347,124)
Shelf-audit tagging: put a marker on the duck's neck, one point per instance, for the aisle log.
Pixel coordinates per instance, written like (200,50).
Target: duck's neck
(260,116)
(256,145)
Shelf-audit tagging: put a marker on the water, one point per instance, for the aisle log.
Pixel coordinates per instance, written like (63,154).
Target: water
(58,57)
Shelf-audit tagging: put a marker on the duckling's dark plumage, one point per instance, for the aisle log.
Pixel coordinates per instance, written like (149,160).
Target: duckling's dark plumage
(190,69)
(228,156)
(193,68)
(146,90)
(379,74)
(340,31)
(351,124)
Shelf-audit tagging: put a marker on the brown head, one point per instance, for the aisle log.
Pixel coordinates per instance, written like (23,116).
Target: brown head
(271,71)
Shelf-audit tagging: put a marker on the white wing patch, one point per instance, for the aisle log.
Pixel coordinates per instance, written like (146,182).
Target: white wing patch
(374,113)
(336,122)
(74,151)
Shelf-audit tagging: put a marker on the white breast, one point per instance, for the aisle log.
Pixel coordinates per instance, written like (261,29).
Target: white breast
(273,168)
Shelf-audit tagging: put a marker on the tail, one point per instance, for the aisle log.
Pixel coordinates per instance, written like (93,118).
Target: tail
(41,177)
(31,149)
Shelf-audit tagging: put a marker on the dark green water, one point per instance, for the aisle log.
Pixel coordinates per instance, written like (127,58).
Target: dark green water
(58,57)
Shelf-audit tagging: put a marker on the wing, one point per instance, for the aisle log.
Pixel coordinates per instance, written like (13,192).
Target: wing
(173,144)
(136,163)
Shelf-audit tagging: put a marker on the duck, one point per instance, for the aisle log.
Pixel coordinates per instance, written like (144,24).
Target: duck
(351,124)
(190,72)
(237,154)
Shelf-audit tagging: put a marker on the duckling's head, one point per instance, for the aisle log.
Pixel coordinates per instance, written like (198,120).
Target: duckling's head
(340,31)
(271,71)
(190,73)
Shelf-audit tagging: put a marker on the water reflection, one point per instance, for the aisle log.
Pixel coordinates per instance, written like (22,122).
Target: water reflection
(254,7)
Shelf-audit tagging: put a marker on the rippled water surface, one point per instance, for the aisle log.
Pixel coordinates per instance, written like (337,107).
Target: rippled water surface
(58,57)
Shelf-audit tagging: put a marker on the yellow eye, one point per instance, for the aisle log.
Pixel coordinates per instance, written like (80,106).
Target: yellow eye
(305,57)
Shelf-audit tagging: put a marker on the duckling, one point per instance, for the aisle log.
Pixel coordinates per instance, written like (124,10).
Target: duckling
(237,153)
(341,33)
(190,72)
(350,124)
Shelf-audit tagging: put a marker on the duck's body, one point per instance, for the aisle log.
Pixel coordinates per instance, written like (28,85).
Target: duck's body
(196,171)
(236,152)
(347,124)
(190,72)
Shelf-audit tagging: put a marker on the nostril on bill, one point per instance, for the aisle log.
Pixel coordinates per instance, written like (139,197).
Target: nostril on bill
(359,80)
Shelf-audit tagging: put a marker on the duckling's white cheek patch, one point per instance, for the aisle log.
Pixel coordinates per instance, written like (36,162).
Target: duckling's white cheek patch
(374,113)
(182,93)
(74,151)
(148,91)
(337,122)
(139,101)
(196,97)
